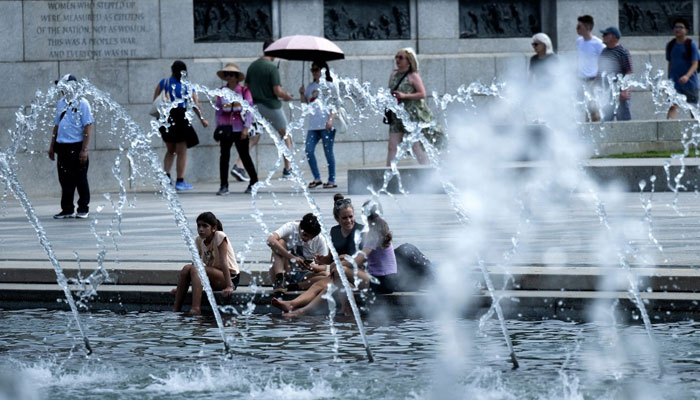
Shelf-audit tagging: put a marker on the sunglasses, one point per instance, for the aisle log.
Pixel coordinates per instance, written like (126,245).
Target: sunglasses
(535,44)
(399,57)
(314,69)
(679,27)
(342,202)
(228,74)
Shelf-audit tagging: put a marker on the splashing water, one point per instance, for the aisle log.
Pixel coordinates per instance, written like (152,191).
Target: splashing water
(284,152)
(135,144)
(369,104)
(9,177)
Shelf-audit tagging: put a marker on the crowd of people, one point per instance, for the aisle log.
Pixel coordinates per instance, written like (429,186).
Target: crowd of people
(301,260)
(602,62)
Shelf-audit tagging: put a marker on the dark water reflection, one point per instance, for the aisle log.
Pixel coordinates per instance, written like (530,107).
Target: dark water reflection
(170,356)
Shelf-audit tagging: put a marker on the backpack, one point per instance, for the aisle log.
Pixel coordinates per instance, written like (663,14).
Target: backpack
(415,270)
(688,50)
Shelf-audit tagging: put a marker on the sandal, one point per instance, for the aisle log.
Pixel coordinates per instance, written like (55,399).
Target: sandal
(329,185)
(314,184)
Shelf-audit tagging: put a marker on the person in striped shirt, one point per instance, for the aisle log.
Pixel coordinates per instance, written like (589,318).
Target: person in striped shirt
(615,60)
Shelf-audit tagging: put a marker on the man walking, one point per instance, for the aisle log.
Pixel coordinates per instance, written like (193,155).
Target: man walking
(263,80)
(71,137)
(682,56)
(588,49)
(615,59)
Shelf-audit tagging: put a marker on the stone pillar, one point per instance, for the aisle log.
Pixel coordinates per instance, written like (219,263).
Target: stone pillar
(604,13)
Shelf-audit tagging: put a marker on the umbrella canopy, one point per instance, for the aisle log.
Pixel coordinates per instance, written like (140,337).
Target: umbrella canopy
(304,48)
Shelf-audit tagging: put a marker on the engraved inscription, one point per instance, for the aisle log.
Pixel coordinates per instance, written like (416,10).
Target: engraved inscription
(653,17)
(499,19)
(232,20)
(87,29)
(366,20)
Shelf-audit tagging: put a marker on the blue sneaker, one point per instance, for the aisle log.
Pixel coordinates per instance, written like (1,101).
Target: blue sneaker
(182,185)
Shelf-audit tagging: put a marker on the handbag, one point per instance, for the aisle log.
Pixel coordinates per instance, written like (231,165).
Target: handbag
(160,101)
(389,115)
(341,121)
(223,132)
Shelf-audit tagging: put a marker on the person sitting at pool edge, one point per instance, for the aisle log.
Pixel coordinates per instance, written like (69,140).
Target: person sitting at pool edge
(345,238)
(297,243)
(219,261)
(377,259)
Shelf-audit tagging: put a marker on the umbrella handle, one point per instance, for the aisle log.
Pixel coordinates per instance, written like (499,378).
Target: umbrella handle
(303,64)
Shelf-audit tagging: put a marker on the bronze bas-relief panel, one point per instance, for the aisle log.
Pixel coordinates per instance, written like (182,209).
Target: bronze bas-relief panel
(223,21)
(480,19)
(653,17)
(366,20)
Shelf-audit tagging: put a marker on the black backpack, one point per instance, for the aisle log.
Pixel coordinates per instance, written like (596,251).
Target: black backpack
(688,51)
(415,270)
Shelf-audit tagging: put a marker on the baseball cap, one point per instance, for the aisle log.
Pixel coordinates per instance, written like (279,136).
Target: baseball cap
(67,78)
(611,30)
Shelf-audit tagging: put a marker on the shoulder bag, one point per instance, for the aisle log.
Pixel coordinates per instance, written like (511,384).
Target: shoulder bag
(160,102)
(389,116)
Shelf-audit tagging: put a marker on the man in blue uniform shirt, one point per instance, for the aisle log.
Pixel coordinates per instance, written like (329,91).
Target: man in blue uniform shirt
(71,137)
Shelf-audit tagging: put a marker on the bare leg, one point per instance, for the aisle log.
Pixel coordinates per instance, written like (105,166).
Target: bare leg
(313,304)
(181,150)
(216,280)
(419,152)
(169,156)
(672,112)
(394,140)
(183,283)
(288,142)
(316,290)
(196,291)
(345,308)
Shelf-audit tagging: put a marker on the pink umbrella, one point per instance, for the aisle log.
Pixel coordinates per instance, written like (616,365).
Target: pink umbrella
(304,48)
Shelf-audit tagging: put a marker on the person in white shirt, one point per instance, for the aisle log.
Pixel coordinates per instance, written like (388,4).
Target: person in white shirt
(296,242)
(588,49)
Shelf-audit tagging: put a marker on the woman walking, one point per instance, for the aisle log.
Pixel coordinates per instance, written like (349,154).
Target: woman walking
(180,134)
(407,87)
(320,127)
(543,64)
(232,127)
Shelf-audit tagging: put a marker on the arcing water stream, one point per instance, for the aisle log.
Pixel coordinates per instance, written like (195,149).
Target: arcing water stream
(135,145)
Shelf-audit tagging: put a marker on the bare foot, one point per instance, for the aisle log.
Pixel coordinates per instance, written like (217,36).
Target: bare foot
(195,311)
(173,291)
(292,314)
(285,306)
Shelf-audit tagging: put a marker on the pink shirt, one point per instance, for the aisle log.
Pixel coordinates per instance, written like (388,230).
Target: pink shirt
(230,114)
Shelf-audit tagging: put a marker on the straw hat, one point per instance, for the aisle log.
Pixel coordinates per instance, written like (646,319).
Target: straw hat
(231,67)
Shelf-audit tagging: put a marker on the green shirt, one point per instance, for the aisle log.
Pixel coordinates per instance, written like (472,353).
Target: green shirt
(261,77)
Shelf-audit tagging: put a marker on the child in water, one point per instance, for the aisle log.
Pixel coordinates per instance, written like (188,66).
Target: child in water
(219,261)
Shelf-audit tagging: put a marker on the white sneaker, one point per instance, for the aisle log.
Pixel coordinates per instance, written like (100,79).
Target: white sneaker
(82,215)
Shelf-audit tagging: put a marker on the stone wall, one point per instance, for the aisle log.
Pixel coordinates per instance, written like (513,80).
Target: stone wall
(125,47)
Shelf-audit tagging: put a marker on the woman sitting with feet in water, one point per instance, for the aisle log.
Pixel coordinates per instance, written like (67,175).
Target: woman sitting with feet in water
(376,259)
(219,261)
(345,237)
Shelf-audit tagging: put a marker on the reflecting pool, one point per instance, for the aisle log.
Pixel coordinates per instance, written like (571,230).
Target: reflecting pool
(164,355)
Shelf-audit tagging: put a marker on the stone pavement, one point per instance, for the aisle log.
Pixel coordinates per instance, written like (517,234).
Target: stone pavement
(553,256)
